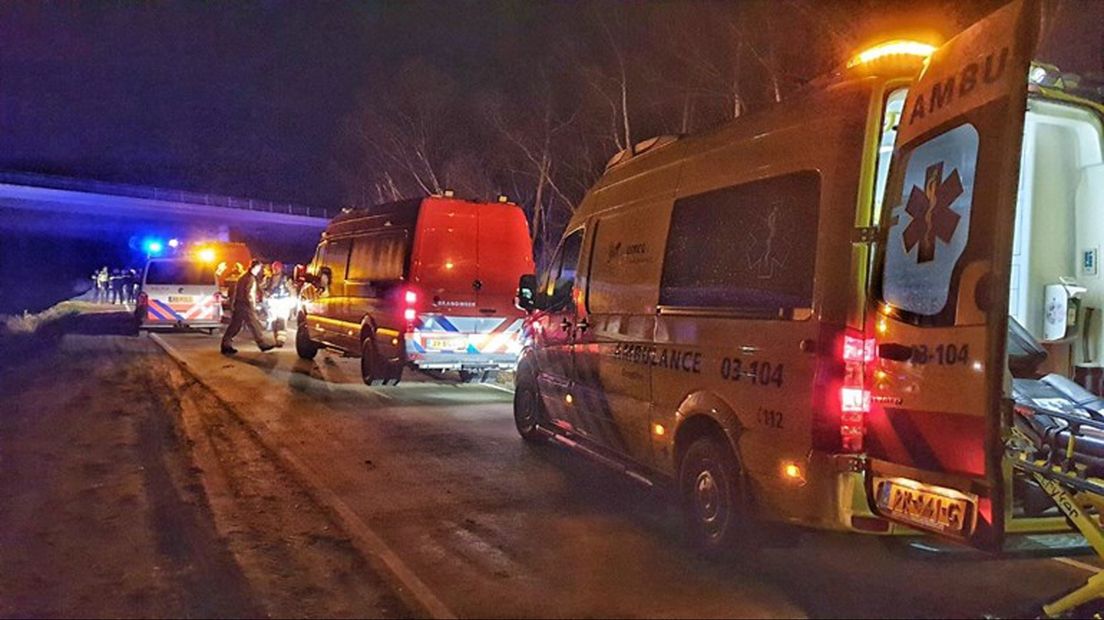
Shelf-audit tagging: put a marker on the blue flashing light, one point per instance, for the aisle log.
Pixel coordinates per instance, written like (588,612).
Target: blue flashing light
(153,246)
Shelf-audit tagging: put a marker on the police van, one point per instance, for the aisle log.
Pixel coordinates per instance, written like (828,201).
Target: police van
(427,283)
(705,321)
(179,293)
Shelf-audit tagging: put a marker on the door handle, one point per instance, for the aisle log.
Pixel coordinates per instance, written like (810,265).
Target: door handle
(583,324)
(565,325)
(894,351)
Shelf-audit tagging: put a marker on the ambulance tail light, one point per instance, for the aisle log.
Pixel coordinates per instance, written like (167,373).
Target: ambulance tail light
(854,398)
(843,400)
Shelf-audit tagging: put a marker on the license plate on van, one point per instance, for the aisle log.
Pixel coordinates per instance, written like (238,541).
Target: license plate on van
(927,507)
(445,344)
(180,299)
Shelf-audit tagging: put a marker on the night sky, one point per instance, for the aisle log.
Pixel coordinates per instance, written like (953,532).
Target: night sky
(232,99)
(251,99)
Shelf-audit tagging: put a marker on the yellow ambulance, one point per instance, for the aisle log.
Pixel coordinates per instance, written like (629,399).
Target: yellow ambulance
(705,321)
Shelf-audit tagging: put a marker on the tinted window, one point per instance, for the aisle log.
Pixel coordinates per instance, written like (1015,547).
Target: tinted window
(378,258)
(750,247)
(180,272)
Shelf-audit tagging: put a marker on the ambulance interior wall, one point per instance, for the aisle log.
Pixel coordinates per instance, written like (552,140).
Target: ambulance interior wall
(1058,216)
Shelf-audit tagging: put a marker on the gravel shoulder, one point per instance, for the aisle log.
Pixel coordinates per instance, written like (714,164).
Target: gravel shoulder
(128,491)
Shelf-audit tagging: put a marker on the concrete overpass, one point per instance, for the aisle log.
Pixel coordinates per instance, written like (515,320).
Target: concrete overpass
(55,230)
(79,207)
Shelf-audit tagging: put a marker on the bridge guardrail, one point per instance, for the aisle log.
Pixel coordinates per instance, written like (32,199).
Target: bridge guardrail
(158,193)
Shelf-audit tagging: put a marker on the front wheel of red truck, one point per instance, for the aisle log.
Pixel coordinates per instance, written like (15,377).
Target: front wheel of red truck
(373,368)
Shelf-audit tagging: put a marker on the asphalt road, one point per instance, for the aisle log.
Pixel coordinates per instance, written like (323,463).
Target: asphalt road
(490,526)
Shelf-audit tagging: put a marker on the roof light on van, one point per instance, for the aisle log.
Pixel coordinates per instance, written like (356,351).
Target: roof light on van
(897,47)
(206,255)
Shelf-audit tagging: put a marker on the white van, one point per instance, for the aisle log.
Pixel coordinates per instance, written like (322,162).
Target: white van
(178,293)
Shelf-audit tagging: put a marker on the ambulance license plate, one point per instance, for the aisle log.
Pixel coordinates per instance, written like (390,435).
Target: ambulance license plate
(445,344)
(927,507)
(180,299)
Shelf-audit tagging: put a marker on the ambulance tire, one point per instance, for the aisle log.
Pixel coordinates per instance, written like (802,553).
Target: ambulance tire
(373,368)
(304,346)
(529,412)
(712,498)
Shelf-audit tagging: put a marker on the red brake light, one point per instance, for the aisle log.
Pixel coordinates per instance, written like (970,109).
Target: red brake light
(411,297)
(854,398)
(410,314)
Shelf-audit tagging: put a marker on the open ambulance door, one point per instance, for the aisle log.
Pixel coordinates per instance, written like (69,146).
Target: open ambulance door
(939,291)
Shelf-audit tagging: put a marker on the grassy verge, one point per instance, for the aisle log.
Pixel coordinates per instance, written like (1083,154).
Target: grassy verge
(24,334)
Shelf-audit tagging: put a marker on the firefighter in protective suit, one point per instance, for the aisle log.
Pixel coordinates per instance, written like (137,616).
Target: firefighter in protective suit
(247,293)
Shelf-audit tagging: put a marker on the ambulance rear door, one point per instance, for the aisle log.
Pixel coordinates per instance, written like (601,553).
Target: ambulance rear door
(939,290)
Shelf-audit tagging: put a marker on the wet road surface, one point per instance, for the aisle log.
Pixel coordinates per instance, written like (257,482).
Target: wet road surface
(494,527)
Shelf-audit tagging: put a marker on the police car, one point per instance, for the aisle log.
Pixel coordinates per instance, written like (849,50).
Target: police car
(179,293)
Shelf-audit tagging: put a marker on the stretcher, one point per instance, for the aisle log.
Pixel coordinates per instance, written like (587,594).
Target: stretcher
(1057,440)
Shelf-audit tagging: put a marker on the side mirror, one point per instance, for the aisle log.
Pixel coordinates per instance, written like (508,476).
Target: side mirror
(526,298)
(299,273)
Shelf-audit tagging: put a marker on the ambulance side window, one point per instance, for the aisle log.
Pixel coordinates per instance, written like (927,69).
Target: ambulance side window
(748,249)
(559,282)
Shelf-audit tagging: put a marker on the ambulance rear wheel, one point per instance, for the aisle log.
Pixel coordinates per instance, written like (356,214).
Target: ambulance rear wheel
(712,498)
(372,367)
(529,412)
(304,346)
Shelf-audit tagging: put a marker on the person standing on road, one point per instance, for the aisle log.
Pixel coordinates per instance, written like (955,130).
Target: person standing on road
(102,278)
(116,284)
(96,286)
(247,293)
(132,286)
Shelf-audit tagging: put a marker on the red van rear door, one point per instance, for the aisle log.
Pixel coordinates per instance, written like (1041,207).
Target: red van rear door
(505,254)
(445,261)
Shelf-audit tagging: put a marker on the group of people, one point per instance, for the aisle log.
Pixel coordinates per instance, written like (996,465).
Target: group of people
(247,296)
(116,286)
